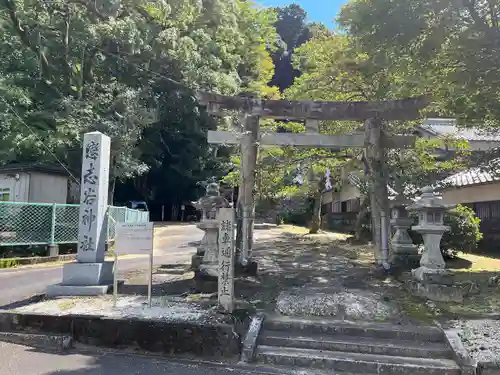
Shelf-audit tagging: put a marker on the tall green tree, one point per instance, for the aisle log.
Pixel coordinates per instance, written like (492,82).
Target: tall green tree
(333,68)
(127,68)
(293,30)
(448,49)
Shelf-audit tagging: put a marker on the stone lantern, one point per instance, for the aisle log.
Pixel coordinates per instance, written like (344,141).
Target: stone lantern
(431,209)
(206,258)
(431,279)
(404,253)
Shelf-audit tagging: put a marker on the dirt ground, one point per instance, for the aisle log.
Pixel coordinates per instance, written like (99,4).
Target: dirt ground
(292,261)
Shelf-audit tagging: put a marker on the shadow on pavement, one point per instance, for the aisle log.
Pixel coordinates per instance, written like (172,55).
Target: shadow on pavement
(24,302)
(76,362)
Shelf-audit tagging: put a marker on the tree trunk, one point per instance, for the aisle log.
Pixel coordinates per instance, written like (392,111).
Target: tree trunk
(358,226)
(379,196)
(315,225)
(111,190)
(376,229)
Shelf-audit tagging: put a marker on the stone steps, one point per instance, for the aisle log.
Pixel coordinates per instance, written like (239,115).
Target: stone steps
(354,347)
(342,327)
(286,370)
(355,362)
(353,344)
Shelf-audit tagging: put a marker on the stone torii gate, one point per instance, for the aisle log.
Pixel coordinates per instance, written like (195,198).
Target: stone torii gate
(374,140)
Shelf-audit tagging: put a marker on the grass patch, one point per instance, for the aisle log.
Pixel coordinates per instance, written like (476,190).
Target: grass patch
(9,262)
(66,305)
(416,308)
(480,305)
(293,229)
(476,263)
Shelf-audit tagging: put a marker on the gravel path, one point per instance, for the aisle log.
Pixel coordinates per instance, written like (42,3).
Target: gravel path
(481,338)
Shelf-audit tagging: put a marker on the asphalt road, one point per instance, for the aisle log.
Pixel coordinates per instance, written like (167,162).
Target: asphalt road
(172,245)
(22,360)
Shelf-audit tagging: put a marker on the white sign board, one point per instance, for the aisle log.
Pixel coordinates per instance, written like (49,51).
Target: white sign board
(226,258)
(134,238)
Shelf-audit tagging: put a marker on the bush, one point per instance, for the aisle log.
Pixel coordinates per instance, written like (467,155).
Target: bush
(296,210)
(464,234)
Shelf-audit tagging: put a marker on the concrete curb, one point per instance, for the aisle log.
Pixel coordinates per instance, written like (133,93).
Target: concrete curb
(204,339)
(460,354)
(28,301)
(488,368)
(56,342)
(250,342)
(60,261)
(39,260)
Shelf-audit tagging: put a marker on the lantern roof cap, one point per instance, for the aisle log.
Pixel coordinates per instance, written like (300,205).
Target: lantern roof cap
(429,200)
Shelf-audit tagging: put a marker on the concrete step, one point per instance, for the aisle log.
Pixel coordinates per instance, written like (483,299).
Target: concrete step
(359,329)
(284,370)
(353,344)
(355,362)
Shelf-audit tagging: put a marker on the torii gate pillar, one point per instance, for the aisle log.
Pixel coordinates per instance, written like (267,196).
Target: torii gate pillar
(245,207)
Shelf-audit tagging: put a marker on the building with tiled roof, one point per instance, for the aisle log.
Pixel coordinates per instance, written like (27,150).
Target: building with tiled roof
(474,187)
(471,177)
(478,139)
(479,189)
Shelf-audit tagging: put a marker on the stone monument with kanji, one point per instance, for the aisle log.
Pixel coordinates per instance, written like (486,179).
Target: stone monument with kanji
(91,274)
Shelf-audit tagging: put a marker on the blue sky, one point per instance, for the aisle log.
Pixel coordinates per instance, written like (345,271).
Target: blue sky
(318,10)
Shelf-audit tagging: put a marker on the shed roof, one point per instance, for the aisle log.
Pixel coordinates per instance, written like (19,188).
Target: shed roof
(33,167)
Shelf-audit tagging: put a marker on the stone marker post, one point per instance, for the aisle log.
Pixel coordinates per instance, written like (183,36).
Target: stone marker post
(90,275)
(92,228)
(226,259)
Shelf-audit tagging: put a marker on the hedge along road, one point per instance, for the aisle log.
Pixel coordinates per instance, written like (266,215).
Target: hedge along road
(173,244)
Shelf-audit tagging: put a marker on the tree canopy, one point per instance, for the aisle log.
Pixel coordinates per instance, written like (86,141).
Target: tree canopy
(127,68)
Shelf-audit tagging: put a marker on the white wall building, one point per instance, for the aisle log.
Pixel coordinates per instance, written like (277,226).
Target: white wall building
(33,183)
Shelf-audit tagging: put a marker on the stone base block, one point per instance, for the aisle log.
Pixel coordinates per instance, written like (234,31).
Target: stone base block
(489,368)
(88,274)
(196,261)
(437,285)
(205,283)
(439,292)
(406,261)
(251,269)
(59,290)
(426,275)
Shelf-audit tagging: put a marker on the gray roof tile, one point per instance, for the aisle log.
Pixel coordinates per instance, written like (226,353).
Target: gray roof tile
(448,127)
(470,177)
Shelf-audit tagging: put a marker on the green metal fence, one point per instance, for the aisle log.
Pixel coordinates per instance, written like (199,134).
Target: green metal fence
(44,224)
